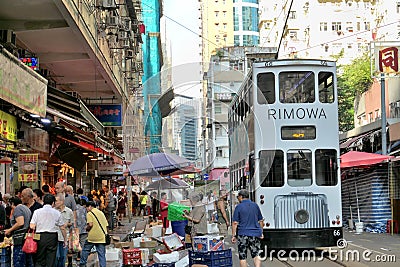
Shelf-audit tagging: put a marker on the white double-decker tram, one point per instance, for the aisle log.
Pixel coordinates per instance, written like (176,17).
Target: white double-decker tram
(284,148)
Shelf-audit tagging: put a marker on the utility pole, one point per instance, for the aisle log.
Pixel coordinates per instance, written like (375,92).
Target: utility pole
(383,115)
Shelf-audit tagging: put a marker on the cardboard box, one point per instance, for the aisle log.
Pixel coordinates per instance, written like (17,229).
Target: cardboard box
(148,244)
(208,243)
(124,245)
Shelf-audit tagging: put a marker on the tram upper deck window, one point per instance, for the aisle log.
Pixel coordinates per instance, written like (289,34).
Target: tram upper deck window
(299,167)
(297,87)
(326,167)
(271,168)
(266,88)
(326,87)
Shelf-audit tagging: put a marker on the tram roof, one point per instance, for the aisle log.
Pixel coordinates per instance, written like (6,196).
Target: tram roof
(294,62)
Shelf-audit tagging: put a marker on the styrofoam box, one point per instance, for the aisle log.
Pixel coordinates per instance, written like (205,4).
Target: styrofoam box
(208,243)
(212,228)
(166,258)
(112,254)
(184,262)
(136,242)
(154,231)
(145,255)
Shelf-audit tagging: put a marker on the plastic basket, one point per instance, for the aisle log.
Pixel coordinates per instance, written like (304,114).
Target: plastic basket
(222,258)
(5,256)
(175,211)
(164,264)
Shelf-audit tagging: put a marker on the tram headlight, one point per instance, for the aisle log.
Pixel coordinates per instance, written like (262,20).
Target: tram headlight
(301,216)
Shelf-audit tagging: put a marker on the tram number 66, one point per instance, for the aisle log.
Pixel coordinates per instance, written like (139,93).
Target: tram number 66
(336,232)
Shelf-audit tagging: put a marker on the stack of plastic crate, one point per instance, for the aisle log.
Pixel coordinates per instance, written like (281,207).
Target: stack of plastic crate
(132,256)
(175,211)
(221,258)
(5,257)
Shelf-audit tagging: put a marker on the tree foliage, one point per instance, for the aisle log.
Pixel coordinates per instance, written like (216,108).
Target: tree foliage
(354,80)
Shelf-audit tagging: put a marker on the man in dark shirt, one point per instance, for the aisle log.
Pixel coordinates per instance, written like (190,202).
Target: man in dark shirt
(46,189)
(27,200)
(155,206)
(247,225)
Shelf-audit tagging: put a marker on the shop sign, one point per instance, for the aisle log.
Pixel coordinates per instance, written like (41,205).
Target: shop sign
(8,126)
(28,167)
(21,86)
(109,167)
(37,138)
(108,115)
(386,59)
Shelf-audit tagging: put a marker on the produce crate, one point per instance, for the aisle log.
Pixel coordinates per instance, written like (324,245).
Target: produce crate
(5,257)
(175,211)
(220,258)
(132,256)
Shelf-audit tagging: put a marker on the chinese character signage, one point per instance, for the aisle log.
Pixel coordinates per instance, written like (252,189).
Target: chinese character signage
(31,62)
(21,87)
(109,168)
(8,126)
(108,115)
(386,59)
(28,167)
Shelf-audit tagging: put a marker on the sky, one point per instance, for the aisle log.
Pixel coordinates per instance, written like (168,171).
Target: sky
(181,33)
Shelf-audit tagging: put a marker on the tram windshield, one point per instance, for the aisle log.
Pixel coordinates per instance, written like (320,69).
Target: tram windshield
(299,164)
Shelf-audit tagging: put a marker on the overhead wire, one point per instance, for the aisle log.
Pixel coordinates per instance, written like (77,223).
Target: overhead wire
(237,57)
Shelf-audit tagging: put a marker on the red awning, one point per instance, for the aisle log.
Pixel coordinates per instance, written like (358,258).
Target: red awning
(92,148)
(360,159)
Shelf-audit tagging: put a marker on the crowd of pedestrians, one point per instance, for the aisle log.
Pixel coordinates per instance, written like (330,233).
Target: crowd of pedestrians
(58,214)
(55,214)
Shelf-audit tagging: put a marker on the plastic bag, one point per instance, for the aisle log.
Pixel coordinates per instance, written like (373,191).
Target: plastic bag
(30,245)
(73,241)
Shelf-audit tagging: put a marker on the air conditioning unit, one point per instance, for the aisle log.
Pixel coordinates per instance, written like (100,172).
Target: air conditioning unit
(112,20)
(126,24)
(129,53)
(122,35)
(109,4)
(125,43)
(112,41)
(136,3)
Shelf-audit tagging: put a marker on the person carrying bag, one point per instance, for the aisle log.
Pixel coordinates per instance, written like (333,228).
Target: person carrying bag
(97,235)
(107,236)
(30,245)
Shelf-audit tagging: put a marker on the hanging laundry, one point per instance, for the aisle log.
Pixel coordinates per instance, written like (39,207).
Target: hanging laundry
(142,28)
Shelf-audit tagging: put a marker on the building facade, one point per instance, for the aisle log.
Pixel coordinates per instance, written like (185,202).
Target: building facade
(68,70)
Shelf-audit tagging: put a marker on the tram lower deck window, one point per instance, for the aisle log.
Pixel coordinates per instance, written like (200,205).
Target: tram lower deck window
(271,168)
(299,167)
(326,167)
